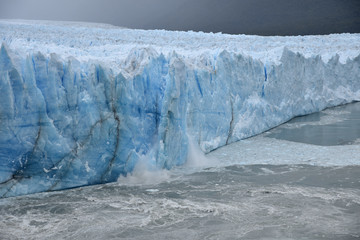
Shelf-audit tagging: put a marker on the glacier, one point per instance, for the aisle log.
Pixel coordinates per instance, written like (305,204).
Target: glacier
(82,104)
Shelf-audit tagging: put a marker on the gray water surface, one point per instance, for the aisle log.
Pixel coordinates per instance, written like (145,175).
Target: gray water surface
(234,202)
(346,131)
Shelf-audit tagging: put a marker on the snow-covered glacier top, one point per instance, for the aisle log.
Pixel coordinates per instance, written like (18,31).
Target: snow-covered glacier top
(113,45)
(83,103)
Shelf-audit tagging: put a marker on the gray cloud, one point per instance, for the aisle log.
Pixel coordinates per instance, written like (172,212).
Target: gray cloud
(264,17)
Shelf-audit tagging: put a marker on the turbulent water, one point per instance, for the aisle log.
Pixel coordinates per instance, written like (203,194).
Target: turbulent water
(297,181)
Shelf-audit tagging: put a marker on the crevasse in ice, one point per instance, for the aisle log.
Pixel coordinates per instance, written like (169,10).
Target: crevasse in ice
(81,104)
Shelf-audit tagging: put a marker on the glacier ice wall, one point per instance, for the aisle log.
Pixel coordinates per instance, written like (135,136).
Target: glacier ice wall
(66,123)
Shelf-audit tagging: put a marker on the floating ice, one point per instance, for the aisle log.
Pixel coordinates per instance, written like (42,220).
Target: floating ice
(82,104)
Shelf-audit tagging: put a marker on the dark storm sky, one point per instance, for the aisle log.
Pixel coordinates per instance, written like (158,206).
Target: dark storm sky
(261,17)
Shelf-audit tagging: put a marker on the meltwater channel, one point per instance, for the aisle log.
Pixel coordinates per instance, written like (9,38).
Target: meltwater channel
(300,180)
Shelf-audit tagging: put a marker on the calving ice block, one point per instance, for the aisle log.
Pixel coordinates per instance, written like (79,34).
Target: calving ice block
(81,104)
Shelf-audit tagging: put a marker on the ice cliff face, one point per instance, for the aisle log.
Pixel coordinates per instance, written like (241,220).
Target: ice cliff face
(80,112)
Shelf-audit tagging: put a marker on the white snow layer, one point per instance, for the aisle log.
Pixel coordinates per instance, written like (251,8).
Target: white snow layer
(113,45)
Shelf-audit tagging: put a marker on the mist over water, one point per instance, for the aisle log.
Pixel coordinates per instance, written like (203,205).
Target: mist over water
(258,188)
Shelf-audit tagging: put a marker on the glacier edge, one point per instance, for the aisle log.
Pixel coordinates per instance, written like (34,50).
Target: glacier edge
(67,123)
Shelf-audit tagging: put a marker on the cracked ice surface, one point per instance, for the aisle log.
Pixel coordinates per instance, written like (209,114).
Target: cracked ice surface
(81,104)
